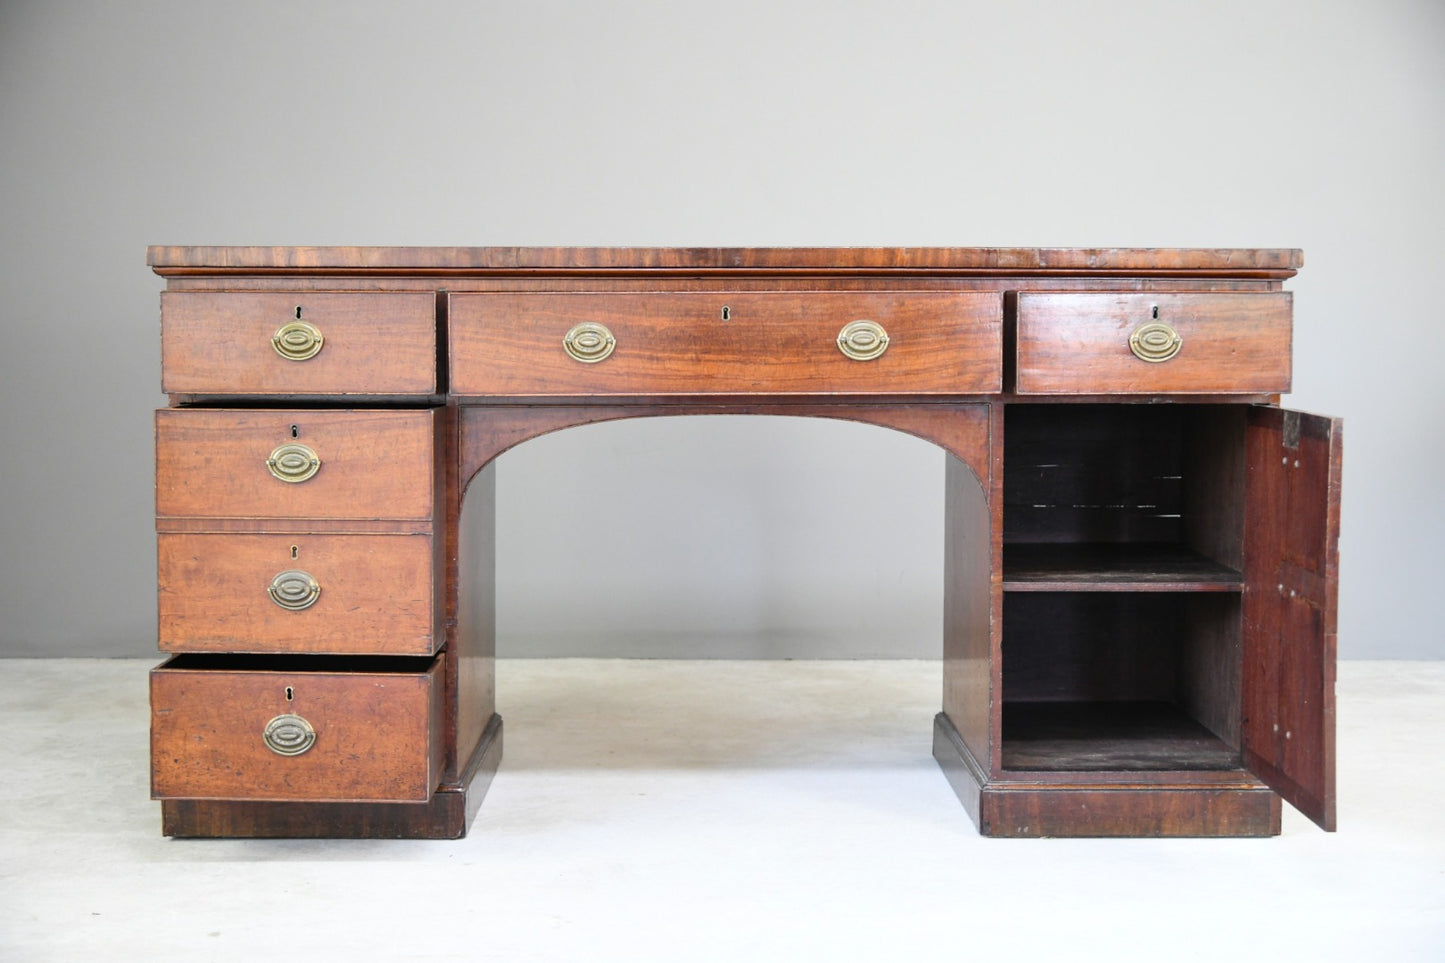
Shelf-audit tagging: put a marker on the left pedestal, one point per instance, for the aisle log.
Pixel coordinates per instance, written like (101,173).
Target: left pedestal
(306,517)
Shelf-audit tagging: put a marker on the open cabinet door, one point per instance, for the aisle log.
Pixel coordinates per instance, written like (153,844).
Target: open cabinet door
(1291,578)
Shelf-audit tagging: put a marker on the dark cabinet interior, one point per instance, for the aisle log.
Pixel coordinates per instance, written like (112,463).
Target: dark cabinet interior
(1122,587)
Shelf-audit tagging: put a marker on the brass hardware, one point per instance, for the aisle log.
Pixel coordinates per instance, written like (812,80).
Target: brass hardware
(1155,342)
(288,735)
(589,342)
(294,589)
(863,340)
(297,340)
(293,463)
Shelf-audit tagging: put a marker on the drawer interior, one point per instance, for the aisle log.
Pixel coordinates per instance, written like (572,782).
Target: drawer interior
(330,664)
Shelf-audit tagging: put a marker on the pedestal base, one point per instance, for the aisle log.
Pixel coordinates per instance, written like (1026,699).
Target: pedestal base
(1078,807)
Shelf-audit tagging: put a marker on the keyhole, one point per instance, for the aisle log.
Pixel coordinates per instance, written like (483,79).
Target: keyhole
(1156,313)
(298,312)
(295,431)
(289,694)
(295,551)
(727,313)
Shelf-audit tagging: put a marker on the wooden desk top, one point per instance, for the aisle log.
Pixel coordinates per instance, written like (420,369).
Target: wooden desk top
(991,261)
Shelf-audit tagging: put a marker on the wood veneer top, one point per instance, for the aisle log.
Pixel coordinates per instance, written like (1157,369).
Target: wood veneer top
(1026,261)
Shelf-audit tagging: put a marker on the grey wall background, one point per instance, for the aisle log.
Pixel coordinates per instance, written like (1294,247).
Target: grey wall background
(1316,124)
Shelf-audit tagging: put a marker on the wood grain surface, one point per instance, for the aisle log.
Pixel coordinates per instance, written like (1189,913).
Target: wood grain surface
(1291,553)
(377,734)
(725,343)
(1104,261)
(1079,343)
(374,343)
(378,594)
(374,463)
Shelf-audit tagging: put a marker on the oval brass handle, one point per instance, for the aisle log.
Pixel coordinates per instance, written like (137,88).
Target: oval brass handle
(297,340)
(1155,342)
(294,589)
(863,340)
(288,735)
(293,463)
(589,342)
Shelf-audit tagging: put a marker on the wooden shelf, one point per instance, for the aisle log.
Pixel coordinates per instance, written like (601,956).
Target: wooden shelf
(1105,736)
(1113,567)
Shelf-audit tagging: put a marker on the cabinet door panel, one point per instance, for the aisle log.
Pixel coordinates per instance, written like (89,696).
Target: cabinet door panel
(1291,557)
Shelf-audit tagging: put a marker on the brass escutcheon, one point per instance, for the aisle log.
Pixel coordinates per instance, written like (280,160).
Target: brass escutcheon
(589,342)
(293,463)
(294,589)
(863,340)
(1155,342)
(288,735)
(297,340)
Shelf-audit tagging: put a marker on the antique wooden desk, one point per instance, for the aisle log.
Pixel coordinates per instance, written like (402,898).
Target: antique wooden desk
(1139,626)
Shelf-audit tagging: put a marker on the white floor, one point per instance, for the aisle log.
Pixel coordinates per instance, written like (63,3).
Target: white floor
(651,810)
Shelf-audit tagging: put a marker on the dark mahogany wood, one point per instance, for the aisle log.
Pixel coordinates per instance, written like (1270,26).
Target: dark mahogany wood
(960,430)
(445,816)
(372,343)
(375,464)
(994,262)
(970,598)
(1103,736)
(1093,473)
(472,656)
(1094,804)
(377,595)
(1072,343)
(1114,567)
(377,729)
(1291,554)
(1138,628)
(725,343)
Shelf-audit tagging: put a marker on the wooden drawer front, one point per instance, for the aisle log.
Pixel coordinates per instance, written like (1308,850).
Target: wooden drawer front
(377,733)
(373,464)
(372,343)
(336,594)
(940,343)
(1079,343)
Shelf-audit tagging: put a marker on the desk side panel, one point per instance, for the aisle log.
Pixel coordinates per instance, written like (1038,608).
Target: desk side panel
(968,605)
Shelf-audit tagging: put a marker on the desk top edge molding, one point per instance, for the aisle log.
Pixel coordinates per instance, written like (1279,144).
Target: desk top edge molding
(1274,263)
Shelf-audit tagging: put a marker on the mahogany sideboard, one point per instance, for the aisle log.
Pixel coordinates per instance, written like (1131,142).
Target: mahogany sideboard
(1140,544)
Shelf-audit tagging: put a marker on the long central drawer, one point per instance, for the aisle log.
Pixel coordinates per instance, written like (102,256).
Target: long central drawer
(725,342)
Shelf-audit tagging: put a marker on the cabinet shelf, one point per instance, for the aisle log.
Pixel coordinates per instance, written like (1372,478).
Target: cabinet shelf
(1104,736)
(1114,567)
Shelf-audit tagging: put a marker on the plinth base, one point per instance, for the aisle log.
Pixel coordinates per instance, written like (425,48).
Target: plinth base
(1155,804)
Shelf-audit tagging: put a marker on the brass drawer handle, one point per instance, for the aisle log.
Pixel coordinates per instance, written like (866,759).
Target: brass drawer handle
(293,463)
(294,589)
(589,342)
(1155,342)
(863,340)
(297,340)
(288,735)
